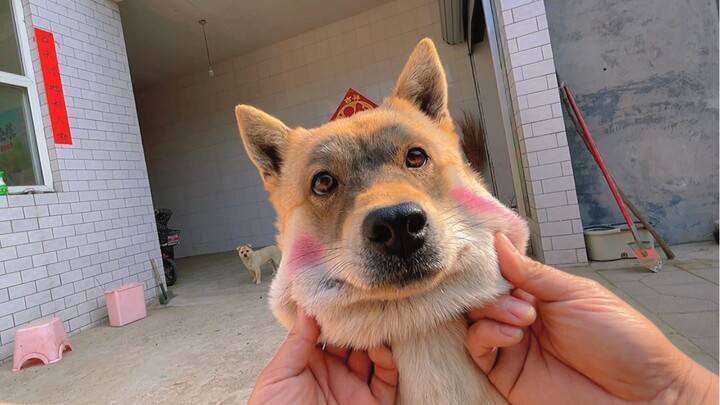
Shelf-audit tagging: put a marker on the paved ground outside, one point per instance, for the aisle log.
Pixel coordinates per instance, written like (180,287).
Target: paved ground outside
(682,300)
(216,335)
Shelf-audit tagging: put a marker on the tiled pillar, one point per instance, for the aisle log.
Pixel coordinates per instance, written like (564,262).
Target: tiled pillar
(553,215)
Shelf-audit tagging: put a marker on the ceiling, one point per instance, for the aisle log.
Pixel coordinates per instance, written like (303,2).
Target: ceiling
(164,38)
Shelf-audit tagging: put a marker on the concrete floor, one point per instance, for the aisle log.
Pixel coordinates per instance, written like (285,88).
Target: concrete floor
(207,346)
(216,335)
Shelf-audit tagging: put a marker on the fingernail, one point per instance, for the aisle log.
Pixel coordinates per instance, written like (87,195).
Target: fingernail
(520,309)
(510,331)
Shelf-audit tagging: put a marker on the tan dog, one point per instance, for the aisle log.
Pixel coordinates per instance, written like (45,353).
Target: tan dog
(387,233)
(253,259)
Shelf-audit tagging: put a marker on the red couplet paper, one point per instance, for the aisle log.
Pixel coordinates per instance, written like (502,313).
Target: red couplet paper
(352,103)
(53,87)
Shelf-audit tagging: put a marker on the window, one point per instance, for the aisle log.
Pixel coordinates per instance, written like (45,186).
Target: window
(23,151)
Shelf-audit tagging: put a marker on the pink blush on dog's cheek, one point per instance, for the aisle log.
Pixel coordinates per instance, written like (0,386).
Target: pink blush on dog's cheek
(305,251)
(513,227)
(479,204)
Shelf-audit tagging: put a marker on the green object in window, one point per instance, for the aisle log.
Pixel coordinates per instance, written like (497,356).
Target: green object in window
(3,186)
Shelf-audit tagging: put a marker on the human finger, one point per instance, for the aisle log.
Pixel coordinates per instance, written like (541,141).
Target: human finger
(384,365)
(485,336)
(340,353)
(506,309)
(385,375)
(293,355)
(525,296)
(544,282)
(360,364)
(510,363)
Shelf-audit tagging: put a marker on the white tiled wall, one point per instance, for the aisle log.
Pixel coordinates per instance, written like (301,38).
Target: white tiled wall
(196,162)
(58,251)
(554,214)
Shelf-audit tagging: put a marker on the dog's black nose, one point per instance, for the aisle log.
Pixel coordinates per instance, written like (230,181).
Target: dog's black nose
(398,230)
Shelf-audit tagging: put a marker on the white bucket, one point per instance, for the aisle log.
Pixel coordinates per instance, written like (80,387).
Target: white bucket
(610,242)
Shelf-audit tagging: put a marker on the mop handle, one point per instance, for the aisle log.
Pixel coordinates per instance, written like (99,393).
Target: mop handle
(598,158)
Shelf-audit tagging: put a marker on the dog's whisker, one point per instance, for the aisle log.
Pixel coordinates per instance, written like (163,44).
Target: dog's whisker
(327,257)
(303,270)
(308,253)
(329,275)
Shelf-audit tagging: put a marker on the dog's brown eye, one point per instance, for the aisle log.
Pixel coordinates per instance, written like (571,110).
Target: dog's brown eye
(416,157)
(323,183)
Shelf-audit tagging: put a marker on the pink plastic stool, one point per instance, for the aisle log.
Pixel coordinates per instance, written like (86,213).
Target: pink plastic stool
(43,339)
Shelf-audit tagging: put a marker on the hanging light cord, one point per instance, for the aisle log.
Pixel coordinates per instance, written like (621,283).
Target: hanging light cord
(207,48)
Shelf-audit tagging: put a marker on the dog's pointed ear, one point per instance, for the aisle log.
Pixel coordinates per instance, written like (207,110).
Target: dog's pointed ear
(264,137)
(422,81)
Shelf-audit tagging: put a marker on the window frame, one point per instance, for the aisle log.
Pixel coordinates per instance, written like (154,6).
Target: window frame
(27,81)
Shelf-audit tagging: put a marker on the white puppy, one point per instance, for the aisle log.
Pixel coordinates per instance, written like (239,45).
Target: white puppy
(254,259)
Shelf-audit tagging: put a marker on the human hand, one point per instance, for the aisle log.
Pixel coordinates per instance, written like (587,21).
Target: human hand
(586,346)
(302,373)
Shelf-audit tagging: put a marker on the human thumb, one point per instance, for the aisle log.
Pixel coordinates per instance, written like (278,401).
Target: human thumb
(544,282)
(293,355)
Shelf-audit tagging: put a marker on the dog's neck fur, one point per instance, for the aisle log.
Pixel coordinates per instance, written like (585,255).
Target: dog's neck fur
(434,368)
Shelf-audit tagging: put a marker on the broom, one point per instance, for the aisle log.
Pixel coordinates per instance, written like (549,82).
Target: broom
(648,256)
(167,294)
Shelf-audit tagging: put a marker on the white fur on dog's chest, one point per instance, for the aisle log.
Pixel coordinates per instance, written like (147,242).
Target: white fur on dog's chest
(435,368)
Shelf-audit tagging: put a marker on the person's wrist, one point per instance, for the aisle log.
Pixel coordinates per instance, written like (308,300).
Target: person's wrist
(702,386)
(696,385)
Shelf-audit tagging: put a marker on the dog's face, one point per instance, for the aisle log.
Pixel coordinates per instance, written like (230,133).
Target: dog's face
(384,228)
(244,251)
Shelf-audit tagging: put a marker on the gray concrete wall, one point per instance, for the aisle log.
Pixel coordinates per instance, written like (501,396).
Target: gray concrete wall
(645,74)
